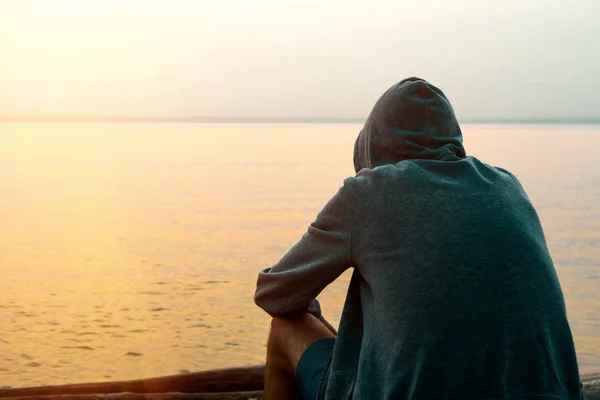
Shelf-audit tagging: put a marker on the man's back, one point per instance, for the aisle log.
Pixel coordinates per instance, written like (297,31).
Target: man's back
(458,294)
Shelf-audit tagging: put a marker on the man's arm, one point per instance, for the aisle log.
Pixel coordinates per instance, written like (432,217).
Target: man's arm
(321,255)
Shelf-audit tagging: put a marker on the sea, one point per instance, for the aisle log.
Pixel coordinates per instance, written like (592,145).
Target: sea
(131,250)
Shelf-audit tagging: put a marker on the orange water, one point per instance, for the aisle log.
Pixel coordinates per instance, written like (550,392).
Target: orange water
(131,250)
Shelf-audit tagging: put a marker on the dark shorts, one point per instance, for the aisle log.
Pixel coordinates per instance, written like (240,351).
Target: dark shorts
(313,367)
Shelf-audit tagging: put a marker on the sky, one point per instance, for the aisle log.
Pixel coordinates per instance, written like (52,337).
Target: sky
(296,59)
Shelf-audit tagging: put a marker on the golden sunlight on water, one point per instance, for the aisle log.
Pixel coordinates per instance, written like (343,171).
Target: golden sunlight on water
(130,251)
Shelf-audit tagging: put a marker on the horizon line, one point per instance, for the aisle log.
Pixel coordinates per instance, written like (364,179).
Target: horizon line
(275,120)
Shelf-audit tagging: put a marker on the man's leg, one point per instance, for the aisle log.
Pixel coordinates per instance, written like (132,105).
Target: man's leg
(288,340)
(328,326)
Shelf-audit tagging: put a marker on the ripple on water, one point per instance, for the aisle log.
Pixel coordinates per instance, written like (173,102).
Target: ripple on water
(134,319)
(78,347)
(109,326)
(159,309)
(26,314)
(76,340)
(200,326)
(33,364)
(193,288)
(133,354)
(9,306)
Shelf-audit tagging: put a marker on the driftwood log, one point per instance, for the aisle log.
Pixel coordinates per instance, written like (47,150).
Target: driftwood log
(242,379)
(256,395)
(225,384)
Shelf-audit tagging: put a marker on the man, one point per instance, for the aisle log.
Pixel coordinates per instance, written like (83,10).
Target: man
(453,294)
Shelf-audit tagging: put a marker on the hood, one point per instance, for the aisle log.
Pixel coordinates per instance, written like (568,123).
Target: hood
(412,120)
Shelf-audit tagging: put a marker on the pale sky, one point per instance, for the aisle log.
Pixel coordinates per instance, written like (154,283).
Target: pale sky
(309,58)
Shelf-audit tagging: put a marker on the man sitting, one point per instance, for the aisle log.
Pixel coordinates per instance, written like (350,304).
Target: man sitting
(453,293)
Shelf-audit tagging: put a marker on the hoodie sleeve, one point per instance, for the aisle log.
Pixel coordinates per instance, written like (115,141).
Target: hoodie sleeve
(319,257)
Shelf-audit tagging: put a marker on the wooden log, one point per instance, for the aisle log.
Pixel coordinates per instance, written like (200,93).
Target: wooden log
(191,386)
(255,395)
(220,380)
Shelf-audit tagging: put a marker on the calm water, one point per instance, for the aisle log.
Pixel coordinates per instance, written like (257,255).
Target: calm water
(131,251)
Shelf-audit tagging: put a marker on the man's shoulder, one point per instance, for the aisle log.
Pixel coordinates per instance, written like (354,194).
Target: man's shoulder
(403,172)
(370,182)
(501,174)
(382,172)
(415,172)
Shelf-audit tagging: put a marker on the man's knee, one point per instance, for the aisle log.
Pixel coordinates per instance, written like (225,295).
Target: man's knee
(277,354)
(291,336)
(277,324)
(281,329)
(273,342)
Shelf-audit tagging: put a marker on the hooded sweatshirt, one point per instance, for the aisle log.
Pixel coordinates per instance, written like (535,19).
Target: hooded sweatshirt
(453,293)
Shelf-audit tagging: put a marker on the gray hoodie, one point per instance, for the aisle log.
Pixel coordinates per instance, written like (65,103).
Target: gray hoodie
(453,293)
